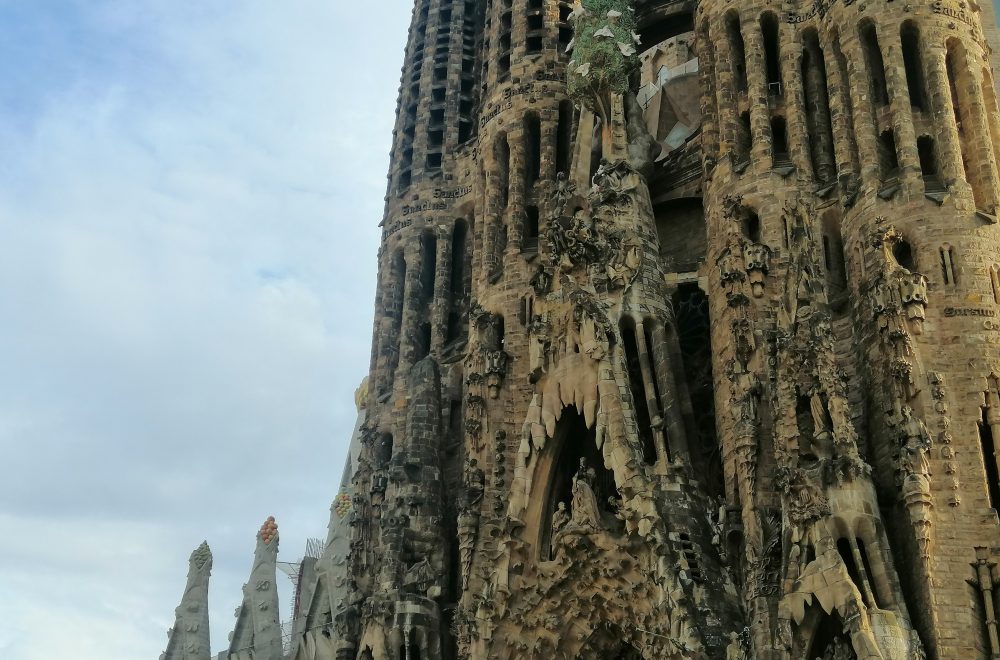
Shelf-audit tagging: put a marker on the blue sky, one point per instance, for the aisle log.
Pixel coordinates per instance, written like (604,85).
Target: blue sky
(189,200)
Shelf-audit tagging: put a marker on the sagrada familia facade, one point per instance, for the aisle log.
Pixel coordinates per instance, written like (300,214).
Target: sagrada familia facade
(686,345)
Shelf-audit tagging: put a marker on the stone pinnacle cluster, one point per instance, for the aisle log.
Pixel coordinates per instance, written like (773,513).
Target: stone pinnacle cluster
(686,345)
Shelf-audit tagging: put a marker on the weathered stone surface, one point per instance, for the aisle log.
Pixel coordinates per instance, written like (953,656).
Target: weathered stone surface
(686,341)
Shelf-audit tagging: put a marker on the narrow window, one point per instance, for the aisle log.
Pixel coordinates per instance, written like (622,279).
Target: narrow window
(772,53)
(875,63)
(995,282)
(847,554)
(564,137)
(751,225)
(947,254)
(530,241)
(428,266)
(779,143)
(458,315)
(501,152)
(532,149)
(988,448)
(631,346)
(909,37)
(925,150)
(737,49)
(744,138)
(423,341)
(888,160)
(395,305)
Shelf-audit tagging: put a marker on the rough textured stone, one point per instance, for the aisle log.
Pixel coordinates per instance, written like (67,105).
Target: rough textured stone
(702,366)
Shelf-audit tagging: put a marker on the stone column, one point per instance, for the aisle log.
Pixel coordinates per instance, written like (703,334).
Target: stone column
(441,305)
(760,112)
(725,90)
(649,386)
(865,127)
(841,113)
(791,81)
(673,413)
(949,150)
(977,133)
(902,114)
(821,149)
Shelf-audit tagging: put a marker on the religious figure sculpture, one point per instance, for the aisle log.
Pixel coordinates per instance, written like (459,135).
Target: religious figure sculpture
(585,510)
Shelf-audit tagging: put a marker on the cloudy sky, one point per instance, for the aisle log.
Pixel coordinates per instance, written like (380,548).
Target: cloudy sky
(189,199)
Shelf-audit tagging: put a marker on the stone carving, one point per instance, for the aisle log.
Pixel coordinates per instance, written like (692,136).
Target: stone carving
(258,631)
(189,638)
(586,513)
(756,260)
(915,471)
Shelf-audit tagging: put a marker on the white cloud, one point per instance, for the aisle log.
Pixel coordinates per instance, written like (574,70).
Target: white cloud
(189,204)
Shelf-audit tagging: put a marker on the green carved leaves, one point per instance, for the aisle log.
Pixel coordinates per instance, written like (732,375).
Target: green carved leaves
(604,52)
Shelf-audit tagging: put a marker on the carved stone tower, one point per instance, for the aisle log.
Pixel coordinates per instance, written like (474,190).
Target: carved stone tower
(686,342)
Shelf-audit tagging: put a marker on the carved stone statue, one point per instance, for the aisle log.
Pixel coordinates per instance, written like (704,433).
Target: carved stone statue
(585,509)
(475,483)
(560,518)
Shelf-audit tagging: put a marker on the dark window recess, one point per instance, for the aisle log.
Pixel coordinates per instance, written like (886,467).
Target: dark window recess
(847,555)
(530,241)
(564,137)
(461,285)
(737,49)
(532,149)
(909,36)
(642,418)
(925,150)
(433,161)
(428,267)
(874,63)
(772,53)
(744,138)
(902,252)
(502,154)
(887,157)
(751,225)
(536,22)
(989,460)
(779,143)
(695,342)
(533,44)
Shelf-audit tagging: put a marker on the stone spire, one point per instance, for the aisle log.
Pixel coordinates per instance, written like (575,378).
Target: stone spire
(258,630)
(189,638)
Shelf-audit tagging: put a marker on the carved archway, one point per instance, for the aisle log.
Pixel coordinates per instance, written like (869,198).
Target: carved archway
(830,641)
(572,442)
